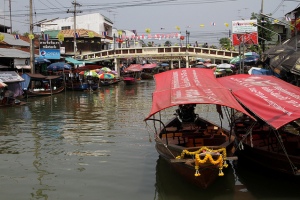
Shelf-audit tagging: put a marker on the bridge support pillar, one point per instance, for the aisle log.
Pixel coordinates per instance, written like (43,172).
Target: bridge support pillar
(117,66)
(179,63)
(187,63)
(172,66)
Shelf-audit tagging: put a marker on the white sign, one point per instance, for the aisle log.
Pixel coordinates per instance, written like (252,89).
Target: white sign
(244,26)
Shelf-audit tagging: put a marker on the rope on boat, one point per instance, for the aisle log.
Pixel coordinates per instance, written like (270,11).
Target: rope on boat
(248,132)
(279,138)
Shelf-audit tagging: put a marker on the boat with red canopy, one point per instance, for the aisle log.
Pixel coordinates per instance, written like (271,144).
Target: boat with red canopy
(194,145)
(273,141)
(132,74)
(148,70)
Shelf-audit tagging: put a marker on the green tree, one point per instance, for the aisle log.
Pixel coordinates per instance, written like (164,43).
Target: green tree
(168,43)
(225,43)
(264,34)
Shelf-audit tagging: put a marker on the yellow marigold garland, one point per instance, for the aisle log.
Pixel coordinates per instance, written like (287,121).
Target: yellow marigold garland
(221,160)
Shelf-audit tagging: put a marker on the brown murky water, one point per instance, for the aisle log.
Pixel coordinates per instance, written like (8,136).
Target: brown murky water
(81,145)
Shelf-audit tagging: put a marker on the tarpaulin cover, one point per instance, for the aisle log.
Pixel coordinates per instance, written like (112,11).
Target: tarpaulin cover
(190,86)
(134,68)
(271,99)
(149,66)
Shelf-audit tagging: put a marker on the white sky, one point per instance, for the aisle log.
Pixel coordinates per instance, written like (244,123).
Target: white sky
(153,14)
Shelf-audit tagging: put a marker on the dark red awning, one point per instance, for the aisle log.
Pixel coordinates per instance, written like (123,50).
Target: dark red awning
(134,68)
(190,86)
(271,99)
(149,66)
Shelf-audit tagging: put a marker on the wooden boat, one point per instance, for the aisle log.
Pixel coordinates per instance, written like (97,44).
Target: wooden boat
(40,85)
(132,74)
(195,147)
(7,98)
(80,80)
(273,142)
(148,70)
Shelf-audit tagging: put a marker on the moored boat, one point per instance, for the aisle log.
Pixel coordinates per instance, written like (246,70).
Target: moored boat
(148,70)
(132,74)
(196,147)
(273,142)
(40,85)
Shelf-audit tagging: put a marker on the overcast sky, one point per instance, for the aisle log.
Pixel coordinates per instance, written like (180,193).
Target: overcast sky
(160,16)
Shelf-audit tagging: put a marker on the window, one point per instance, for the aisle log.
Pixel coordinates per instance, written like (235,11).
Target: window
(65,27)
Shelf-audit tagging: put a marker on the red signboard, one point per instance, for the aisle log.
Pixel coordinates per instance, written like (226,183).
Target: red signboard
(246,38)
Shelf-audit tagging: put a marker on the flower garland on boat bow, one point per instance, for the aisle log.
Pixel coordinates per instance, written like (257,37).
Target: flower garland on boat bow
(208,155)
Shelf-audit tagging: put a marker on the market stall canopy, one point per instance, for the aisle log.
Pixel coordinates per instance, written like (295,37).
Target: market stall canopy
(190,86)
(149,66)
(10,77)
(87,67)
(77,62)
(106,76)
(41,60)
(59,66)
(271,99)
(134,68)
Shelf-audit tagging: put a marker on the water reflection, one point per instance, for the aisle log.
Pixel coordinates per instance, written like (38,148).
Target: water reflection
(82,145)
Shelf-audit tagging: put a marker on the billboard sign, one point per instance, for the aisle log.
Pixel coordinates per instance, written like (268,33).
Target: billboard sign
(50,49)
(243,31)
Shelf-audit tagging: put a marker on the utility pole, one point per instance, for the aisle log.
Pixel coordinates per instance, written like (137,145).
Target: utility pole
(74,12)
(31,40)
(263,25)
(10,17)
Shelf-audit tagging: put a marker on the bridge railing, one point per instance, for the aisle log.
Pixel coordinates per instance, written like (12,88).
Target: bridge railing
(159,52)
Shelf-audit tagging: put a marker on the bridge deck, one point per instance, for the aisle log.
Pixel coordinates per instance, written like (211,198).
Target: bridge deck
(162,53)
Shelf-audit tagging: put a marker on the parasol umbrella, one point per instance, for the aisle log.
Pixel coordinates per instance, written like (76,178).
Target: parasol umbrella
(251,54)
(105,69)
(224,66)
(59,66)
(113,72)
(91,73)
(164,64)
(41,60)
(106,76)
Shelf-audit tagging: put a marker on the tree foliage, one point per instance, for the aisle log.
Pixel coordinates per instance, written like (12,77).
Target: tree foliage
(264,34)
(225,43)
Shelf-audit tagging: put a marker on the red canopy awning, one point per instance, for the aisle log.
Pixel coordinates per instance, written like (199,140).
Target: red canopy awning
(149,66)
(271,99)
(190,86)
(134,68)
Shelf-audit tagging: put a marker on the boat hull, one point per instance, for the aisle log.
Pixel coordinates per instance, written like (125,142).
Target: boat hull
(129,80)
(209,173)
(29,93)
(171,143)
(269,161)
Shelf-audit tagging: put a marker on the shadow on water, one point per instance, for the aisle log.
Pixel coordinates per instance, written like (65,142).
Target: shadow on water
(264,184)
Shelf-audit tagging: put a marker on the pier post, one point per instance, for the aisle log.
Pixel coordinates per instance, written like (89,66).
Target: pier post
(117,66)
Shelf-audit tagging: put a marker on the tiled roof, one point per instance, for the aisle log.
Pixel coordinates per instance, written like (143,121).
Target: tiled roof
(82,32)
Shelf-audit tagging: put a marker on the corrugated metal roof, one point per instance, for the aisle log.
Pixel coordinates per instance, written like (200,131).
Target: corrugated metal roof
(52,33)
(10,77)
(10,39)
(13,53)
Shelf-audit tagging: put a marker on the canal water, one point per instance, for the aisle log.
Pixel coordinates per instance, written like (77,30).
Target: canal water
(82,145)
